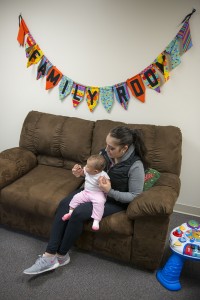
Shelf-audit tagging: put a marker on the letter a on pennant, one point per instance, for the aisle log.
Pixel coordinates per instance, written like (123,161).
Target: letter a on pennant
(137,87)
(53,77)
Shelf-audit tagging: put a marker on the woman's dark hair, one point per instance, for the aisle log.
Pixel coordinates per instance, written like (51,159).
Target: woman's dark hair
(127,136)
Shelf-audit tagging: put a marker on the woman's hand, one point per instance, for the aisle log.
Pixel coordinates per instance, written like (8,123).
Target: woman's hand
(77,170)
(104,184)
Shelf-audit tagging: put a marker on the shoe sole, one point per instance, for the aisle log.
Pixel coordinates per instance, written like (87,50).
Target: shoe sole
(65,263)
(46,270)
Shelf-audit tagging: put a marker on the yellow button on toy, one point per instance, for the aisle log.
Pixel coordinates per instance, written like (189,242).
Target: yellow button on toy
(177,243)
(182,228)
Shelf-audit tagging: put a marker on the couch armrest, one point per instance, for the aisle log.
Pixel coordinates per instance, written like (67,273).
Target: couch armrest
(14,163)
(158,200)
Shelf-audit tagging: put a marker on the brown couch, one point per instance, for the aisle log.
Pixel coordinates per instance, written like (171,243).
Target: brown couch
(36,176)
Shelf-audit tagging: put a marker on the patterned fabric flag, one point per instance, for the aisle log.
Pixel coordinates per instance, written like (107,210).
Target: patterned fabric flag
(92,97)
(185,36)
(173,50)
(122,94)
(137,87)
(53,77)
(151,78)
(78,92)
(23,30)
(65,87)
(43,67)
(107,97)
(161,63)
(30,42)
(34,56)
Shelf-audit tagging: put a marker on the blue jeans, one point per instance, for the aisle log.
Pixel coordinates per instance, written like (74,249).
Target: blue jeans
(65,233)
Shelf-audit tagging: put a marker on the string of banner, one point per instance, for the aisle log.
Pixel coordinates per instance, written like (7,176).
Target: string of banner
(152,76)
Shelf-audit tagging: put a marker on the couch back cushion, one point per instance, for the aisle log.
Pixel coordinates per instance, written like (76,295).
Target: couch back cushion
(163,143)
(50,136)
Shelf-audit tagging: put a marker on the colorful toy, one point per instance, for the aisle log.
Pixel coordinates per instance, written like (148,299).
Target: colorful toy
(185,244)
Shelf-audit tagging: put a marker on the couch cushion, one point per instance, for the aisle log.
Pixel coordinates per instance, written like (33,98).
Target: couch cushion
(41,190)
(117,223)
(57,136)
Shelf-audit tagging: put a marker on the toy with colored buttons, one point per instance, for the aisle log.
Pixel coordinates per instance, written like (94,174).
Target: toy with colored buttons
(185,239)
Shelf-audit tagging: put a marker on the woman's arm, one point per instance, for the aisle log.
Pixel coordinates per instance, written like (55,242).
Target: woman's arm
(135,184)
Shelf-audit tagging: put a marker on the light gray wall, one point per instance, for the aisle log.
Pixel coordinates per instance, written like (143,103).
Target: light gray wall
(100,43)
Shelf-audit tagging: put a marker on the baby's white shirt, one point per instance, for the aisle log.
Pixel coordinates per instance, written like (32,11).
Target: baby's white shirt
(91,181)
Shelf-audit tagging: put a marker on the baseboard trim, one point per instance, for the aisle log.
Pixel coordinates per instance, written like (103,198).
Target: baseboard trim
(187,210)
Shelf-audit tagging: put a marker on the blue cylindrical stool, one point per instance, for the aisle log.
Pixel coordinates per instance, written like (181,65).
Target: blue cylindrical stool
(169,275)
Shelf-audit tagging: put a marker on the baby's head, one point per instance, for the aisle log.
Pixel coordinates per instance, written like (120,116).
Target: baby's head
(95,164)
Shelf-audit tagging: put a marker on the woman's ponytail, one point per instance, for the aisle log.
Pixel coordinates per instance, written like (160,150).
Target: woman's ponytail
(140,148)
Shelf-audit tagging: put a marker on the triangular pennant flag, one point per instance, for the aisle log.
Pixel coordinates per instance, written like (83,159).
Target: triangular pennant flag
(122,94)
(107,97)
(29,43)
(78,92)
(185,36)
(173,50)
(43,67)
(23,30)
(151,78)
(53,77)
(92,97)
(34,56)
(137,87)
(65,87)
(162,65)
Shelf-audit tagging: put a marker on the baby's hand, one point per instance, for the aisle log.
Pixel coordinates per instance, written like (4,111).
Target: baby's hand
(77,170)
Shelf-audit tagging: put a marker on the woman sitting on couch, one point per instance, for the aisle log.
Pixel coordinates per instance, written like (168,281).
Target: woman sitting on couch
(125,156)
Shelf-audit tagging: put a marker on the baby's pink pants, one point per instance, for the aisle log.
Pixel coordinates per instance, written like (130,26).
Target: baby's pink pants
(98,200)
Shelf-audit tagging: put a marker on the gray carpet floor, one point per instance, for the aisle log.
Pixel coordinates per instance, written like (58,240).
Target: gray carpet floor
(88,276)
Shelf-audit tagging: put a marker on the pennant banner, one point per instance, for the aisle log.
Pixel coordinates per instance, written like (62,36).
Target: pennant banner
(185,36)
(78,92)
(23,30)
(29,43)
(173,50)
(151,76)
(107,97)
(65,87)
(122,94)
(35,55)
(162,65)
(44,67)
(92,97)
(53,77)
(137,87)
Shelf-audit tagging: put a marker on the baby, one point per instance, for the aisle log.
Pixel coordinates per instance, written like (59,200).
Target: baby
(91,193)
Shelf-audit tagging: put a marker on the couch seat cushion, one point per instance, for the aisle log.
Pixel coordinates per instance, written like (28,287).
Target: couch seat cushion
(118,223)
(40,190)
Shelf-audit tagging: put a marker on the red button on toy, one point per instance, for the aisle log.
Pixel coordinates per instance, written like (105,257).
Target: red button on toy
(177,232)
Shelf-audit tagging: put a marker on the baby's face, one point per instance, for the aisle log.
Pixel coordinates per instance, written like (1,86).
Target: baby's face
(90,169)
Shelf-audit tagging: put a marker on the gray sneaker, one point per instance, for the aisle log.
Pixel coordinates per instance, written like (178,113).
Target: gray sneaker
(42,264)
(63,260)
